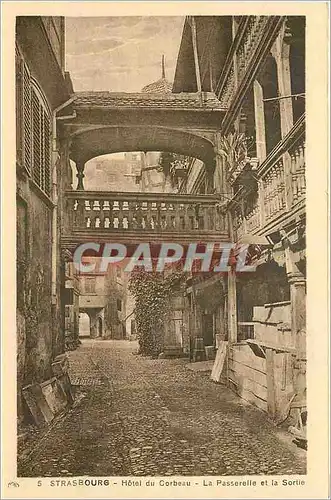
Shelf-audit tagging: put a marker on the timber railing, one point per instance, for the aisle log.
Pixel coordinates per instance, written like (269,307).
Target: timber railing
(251,45)
(145,215)
(281,185)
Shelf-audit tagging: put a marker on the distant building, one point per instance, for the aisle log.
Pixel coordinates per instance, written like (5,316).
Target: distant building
(103,299)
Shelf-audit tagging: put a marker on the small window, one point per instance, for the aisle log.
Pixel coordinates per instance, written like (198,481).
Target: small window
(90,285)
(119,305)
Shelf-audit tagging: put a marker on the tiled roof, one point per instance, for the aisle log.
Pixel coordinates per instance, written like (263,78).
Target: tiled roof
(183,100)
(162,86)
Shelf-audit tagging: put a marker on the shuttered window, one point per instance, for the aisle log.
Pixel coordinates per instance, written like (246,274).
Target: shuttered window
(27,125)
(41,142)
(33,128)
(19,106)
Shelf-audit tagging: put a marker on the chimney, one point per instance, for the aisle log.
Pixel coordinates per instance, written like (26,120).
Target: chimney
(163,68)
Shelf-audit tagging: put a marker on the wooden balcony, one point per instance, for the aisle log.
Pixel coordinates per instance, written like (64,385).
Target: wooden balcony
(102,216)
(281,187)
(253,40)
(251,33)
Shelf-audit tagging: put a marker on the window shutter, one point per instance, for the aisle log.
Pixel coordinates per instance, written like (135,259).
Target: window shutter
(41,126)
(19,106)
(27,134)
(47,153)
(37,152)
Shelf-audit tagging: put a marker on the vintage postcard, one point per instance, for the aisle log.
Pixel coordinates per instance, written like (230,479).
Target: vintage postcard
(165,250)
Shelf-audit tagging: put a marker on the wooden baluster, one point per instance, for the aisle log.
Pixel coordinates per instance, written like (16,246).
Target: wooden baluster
(273,191)
(301,176)
(268,196)
(70,214)
(282,192)
(111,214)
(79,214)
(125,210)
(120,215)
(216,219)
(115,214)
(176,226)
(298,171)
(304,170)
(204,217)
(92,214)
(87,213)
(130,214)
(157,216)
(144,207)
(97,208)
(294,177)
(168,207)
(106,214)
(139,216)
(279,192)
(101,215)
(265,190)
(187,218)
(148,216)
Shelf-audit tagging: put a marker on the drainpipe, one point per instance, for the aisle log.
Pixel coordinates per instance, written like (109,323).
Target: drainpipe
(55,194)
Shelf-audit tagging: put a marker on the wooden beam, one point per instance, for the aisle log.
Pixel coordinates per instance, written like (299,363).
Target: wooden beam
(196,56)
(261,149)
(232,307)
(271,382)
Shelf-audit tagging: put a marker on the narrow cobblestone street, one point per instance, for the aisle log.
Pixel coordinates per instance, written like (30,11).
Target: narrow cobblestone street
(155,417)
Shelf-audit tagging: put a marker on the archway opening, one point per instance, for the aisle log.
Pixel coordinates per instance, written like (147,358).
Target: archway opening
(149,172)
(84,325)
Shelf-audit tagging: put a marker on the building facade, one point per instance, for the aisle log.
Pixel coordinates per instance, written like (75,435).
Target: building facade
(42,88)
(256,67)
(103,297)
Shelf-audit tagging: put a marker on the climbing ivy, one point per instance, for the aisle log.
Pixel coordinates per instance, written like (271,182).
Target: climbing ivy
(152,292)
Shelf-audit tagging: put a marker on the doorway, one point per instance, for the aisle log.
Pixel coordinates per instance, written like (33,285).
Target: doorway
(208,329)
(100,327)
(84,325)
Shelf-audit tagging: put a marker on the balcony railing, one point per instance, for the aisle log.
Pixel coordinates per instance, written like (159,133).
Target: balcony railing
(145,215)
(282,184)
(249,36)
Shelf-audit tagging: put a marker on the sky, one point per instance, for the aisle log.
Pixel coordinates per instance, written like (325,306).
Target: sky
(120,54)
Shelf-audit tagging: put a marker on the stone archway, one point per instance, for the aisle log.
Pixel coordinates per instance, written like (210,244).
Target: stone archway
(88,144)
(84,325)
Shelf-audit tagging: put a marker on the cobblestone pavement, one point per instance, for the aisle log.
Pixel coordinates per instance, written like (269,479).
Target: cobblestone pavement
(155,417)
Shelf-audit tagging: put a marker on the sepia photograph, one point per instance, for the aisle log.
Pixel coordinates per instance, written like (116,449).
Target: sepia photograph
(161,277)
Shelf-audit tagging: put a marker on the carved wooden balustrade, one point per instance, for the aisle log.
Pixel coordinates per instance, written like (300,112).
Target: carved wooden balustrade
(281,185)
(250,35)
(100,216)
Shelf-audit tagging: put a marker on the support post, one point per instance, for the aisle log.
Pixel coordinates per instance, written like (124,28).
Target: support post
(271,390)
(281,53)
(232,307)
(221,182)
(261,150)
(297,284)
(80,176)
(93,325)
(196,55)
